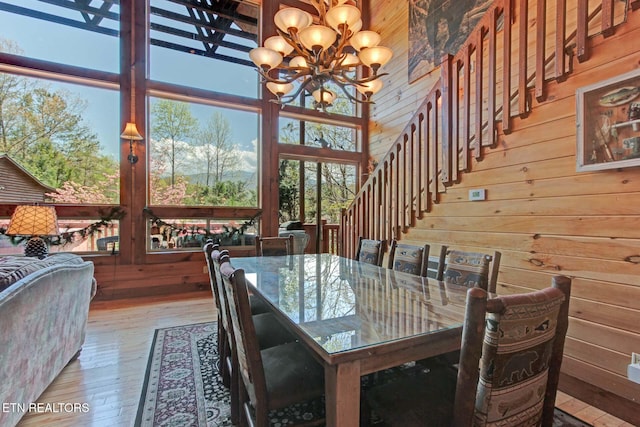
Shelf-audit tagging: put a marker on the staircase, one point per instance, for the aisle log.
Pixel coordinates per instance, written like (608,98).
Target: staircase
(504,63)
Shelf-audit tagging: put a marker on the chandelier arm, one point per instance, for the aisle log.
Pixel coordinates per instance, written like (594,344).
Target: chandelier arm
(360,82)
(289,98)
(293,43)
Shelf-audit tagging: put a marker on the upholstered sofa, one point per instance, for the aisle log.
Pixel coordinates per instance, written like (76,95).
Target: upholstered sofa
(44,307)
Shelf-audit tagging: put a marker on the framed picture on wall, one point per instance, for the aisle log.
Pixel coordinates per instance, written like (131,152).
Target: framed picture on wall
(608,123)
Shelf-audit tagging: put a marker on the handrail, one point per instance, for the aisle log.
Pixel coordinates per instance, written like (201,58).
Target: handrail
(453,123)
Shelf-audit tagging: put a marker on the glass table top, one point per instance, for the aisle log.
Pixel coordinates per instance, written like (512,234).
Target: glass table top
(344,305)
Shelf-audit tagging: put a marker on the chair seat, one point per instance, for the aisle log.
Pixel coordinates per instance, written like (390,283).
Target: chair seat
(258,305)
(270,332)
(291,375)
(418,398)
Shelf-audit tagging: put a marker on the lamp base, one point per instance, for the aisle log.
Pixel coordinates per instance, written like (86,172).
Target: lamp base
(36,247)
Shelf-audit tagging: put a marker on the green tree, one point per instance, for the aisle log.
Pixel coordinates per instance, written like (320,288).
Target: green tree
(172,121)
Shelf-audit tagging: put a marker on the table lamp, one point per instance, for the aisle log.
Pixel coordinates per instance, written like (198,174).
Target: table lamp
(34,221)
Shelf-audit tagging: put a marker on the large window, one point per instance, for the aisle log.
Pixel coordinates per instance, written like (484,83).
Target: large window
(207,48)
(202,155)
(83,34)
(59,142)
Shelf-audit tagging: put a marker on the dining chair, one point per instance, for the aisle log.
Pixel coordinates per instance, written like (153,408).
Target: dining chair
(408,258)
(469,269)
(370,251)
(272,378)
(274,246)
(208,248)
(436,263)
(269,333)
(508,371)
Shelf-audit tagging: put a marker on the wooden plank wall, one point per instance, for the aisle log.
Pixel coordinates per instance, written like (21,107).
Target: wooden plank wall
(543,216)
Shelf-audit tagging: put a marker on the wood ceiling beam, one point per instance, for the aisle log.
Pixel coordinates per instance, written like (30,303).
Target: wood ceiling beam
(212,26)
(233,15)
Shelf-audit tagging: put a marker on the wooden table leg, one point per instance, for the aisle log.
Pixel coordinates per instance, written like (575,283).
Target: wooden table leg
(342,394)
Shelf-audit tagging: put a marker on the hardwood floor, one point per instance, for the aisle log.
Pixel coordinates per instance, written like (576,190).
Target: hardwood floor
(109,373)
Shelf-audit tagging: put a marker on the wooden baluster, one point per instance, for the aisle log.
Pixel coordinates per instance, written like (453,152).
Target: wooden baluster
(582,30)
(434,148)
(446,117)
(392,201)
(477,153)
(523,104)
(427,157)
(607,18)
(507,15)
(492,82)
(412,170)
(404,185)
(541,37)
(455,121)
(420,168)
(374,208)
(399,192)
(385,191)
(466,124)
(561,34)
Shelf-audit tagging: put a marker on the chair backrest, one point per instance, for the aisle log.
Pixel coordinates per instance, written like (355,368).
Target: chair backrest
(408,258)
(218,257)
(470,269)
(493,271)
(370,251)
(435,264)
(520,356)
(274,246)
(247,349)
(208,250)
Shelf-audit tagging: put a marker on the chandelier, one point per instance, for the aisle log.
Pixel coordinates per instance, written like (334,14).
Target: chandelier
(317,54)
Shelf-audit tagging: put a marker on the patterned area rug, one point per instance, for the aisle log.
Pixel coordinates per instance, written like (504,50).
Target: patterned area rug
(182,385)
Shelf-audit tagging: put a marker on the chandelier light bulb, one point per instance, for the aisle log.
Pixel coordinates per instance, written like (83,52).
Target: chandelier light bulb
(339,16)
(317,37)
(292,18)
(375,57)
(265,58)
(365,39)
(279,44)
(279,89)
(298,61)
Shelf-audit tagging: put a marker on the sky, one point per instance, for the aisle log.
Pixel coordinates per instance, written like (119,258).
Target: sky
(67,45)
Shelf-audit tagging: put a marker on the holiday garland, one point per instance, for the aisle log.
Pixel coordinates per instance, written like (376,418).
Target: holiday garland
(106,221)
(229,232)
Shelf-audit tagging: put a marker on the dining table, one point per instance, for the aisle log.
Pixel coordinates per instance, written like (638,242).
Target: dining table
(356,318)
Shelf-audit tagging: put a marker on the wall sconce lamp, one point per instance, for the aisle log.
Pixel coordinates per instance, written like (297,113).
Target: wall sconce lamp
(131,133)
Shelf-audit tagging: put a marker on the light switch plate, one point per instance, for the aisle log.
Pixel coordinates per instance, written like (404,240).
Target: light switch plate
(477,194)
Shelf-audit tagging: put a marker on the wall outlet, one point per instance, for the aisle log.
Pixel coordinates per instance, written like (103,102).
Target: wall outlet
(635,358)
(477,194)
(205,269)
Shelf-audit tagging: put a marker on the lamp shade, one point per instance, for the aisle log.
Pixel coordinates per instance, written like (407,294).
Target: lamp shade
(265,58)
(280,89)
(365,39)
(342,15)
(279,44)
(131,132)
(33,220)
(375,57)
(317,36)
(324,96)
(291,17)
